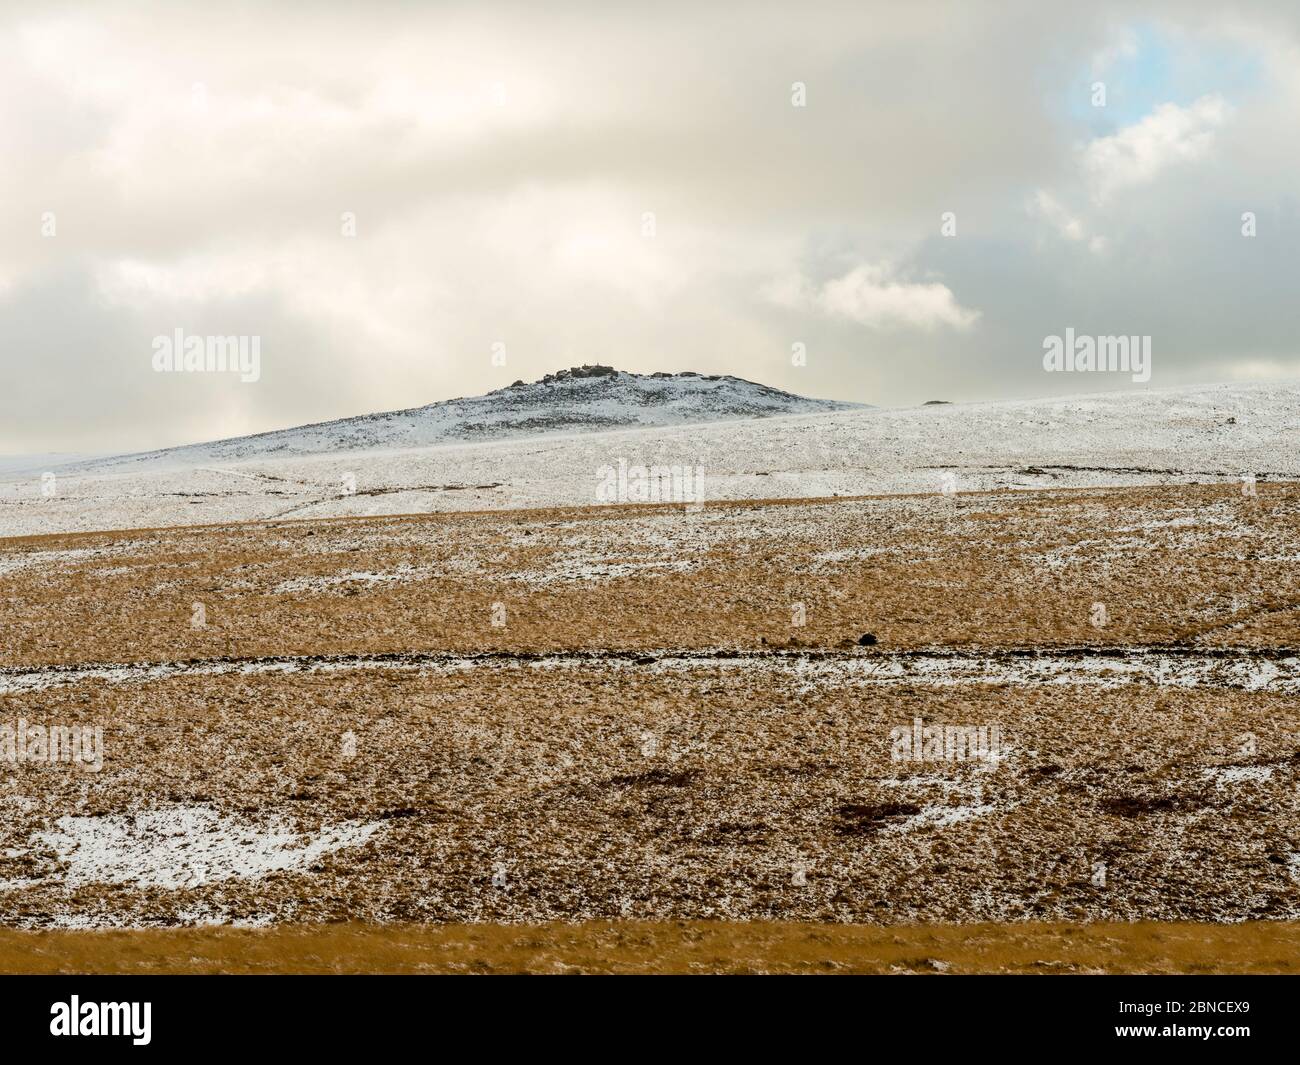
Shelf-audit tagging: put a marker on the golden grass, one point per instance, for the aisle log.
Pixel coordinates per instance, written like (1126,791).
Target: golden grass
(665,947)
(1176,563)
(547,771)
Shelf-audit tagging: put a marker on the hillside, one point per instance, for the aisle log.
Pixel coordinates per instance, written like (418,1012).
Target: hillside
(580,400)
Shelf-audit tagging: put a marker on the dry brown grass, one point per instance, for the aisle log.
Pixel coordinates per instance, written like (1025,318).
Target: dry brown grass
(666,948)
(767,796)
(1014,568)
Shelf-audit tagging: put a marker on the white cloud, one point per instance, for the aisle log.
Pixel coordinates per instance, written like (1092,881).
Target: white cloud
(1124,45)
(1050,208)
(1138,153)
(873,295)
(1069,225)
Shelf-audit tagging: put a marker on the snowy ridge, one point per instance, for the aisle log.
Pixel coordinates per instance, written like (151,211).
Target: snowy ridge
(581,400)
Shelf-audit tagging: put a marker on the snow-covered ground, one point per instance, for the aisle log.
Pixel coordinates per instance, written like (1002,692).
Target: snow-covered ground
(1064,668)
(184,847)
(1201,433)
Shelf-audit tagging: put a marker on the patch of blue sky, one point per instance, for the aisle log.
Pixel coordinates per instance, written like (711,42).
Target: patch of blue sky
(1149,66)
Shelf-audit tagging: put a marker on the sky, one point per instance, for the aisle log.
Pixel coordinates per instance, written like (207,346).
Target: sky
(411,202)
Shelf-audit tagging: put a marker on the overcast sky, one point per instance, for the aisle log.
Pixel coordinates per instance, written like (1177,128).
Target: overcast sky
(189,166)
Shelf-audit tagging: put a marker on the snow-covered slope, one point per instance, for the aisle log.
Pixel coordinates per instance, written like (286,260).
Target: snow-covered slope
(581,400)
(1215,434)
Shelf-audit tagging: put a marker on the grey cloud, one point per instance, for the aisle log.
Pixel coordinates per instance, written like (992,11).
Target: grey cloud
(520,223)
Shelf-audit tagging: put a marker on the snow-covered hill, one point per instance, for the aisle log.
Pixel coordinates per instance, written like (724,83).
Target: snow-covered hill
(1217,434)
(581,400)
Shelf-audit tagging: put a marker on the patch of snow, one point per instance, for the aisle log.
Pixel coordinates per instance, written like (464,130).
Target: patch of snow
(941,817)
(1238,774)
(185,847)
(1262,676)
(594,570)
